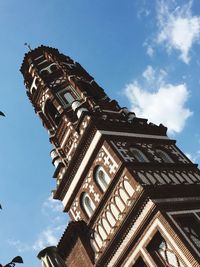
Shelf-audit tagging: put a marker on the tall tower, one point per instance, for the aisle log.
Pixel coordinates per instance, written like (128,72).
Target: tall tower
(133,197)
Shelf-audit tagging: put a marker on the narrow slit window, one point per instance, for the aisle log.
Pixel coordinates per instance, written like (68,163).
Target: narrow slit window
(102,178)
(52,113)
(88,204)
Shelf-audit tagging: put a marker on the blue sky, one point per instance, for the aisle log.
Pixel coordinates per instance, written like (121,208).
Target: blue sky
(143,53)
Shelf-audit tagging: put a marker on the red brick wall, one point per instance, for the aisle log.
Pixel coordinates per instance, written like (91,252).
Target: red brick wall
(78,256)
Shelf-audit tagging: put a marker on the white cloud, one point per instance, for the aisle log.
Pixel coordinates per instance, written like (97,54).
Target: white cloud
(178,28)
(195,157)
(49,237)
(189,156)
(149,73)
(143,11)
(52,205)
(165,104)
(149,49)
(154,78)
(19,245)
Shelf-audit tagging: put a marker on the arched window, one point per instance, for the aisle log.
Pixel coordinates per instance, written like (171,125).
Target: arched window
(52,113)
(138,154)
(101,178)
(164,156)
(88,204)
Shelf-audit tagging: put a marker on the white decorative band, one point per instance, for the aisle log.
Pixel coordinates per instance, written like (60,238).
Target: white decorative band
(134,135)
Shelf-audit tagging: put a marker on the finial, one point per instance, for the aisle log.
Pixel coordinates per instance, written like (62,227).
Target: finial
(28,45)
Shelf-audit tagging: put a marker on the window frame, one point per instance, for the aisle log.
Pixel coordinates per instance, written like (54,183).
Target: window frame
(155,248)
(104,182)
(69,89)
(139,155)
(89,206)
(164,156)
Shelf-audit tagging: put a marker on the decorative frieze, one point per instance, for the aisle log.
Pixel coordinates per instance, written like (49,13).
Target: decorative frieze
(116,208)
(164,177)
(145,212)
(149,149)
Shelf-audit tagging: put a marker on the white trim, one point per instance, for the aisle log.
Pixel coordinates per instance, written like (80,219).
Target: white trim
(33,85)
(110,111)
(130,234)
(66,136)
(134,135)
(81,168)
(30,68)
(183,211)
(45,60)
(176,199)
(39,57)
(147,258)
(147,236)
(155,224)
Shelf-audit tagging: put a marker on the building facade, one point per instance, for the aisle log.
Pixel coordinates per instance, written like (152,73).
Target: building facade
(133,197)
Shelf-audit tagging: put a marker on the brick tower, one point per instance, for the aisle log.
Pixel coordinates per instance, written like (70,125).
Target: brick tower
(133,197)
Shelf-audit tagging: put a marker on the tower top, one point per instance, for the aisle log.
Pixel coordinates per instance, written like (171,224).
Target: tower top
(34,52)
(44,64)
(28,46)
(74,109)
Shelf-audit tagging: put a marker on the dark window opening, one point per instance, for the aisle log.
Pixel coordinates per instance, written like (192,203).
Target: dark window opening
(44,73)
(163,253)
(191,227)
(53,68)
(68,95)
(139,263)
(52,113)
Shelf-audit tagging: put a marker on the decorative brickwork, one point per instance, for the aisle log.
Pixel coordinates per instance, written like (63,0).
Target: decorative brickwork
(127,187)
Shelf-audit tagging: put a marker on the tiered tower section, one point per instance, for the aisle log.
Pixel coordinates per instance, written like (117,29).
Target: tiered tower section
(132,195)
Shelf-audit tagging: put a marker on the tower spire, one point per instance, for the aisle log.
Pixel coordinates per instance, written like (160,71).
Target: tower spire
(28,45)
